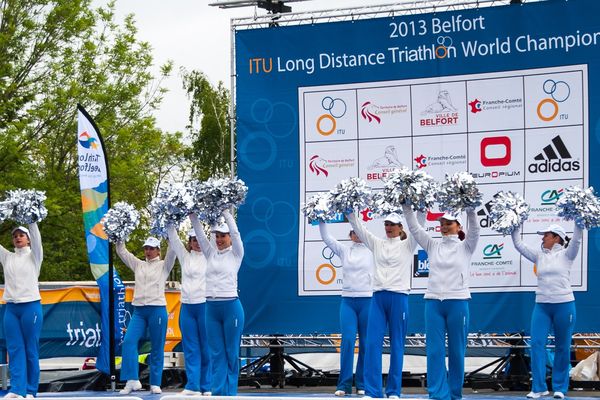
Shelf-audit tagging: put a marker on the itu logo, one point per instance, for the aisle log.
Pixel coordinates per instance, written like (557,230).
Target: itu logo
(551,196)
(326,273)
(475,106)
(492,251)
(421,161)
(367,112)
(87,141)
(559,91)
(335,109)
(317,166)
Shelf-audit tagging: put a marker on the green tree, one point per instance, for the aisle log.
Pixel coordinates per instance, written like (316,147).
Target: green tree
(209,126)
(53,55)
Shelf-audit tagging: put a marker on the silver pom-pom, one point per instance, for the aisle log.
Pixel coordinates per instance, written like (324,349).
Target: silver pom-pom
(6,208)
(212,197)
(350,195)
(120,221)
(169,208)
(404,186)
(319,207)
(580,205)
(381,207)
(508,210)
(27,206)
(459,192)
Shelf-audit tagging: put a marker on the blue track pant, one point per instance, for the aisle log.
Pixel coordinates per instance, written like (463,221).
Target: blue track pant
(354,317)
(155,319)
(192,323)
(388,309)
(22,327)
(441,317)
(561,316)
(225,322)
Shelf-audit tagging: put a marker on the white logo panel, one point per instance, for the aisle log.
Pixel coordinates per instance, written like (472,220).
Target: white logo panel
(440,155)
(495,104)
(542,198)
(326,164)
(384,112)
(380,157)
(554,153)
(496,157)
(330,116)
(322,269)
(439,108)
(495,263)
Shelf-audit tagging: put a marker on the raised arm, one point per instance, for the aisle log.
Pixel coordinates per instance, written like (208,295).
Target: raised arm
(575,242)
(329,240)
(206,246)
(36,246)
(128,259)
(236,240)
(176,245)
(416,228)
(169,261)
(521,247)
(472,235)
(361,231)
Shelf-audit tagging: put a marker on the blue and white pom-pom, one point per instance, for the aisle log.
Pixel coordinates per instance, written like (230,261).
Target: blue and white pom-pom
(6,208)
(405,186)
(458,193)
(381,207)
(169,208)
(120,221)
(508,210)
(350,195)
(319,207)
(580,205)
(27,206)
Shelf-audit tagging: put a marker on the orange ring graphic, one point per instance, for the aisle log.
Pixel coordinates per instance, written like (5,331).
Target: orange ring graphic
(321,118)
(539,109)
(318,274)
(445,53)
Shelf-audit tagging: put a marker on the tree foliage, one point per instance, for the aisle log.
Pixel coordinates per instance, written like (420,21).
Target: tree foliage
(53,55)
(209,126)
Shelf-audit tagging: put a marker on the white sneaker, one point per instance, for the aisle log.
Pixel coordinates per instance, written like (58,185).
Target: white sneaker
(30,396)
(537,395)
(155,389)
(206,393)
(393,396)
(131,386)
(186,392)
(339,393)
(11,395)
(559,395)
(360,392)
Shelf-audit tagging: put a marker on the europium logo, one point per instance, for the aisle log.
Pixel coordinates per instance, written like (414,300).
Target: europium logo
(493,251)
(559,91)
(551,196)
(475,106)
(555,157)
(421,161)
(335,109)
(316,165)
(87,141)
(326,272)
(495,151)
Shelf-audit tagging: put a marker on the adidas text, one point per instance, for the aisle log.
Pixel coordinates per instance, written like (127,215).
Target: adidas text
(554,166)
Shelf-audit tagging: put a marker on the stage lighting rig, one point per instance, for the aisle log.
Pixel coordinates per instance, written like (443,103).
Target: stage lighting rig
(273,6)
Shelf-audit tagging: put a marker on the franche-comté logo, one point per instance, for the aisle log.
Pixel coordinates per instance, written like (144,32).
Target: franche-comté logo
(554,157)
(478,105)
(548,199)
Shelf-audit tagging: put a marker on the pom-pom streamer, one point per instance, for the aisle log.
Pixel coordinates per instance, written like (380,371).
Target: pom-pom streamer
(404,186)
(458,192)
(350,195)
(27,206)
(120,221)
(580,205)
(319,207)
(508,210)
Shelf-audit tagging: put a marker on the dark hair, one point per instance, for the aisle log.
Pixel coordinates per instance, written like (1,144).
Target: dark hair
(564,242)
(461,235)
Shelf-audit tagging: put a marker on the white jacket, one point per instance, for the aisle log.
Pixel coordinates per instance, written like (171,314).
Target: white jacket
(393,258)
(222,265)
(449,258)
(193,270)
(553,267)
(357,264)
(150,276)
(22,269)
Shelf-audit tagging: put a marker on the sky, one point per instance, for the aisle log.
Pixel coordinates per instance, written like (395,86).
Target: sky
(195,35)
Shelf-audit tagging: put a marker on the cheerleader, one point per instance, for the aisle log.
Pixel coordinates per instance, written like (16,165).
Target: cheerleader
(192,316)
(149,311)
(392,258)
(357,264)
(23,317)
(224,311)
(554,305)
(446,300)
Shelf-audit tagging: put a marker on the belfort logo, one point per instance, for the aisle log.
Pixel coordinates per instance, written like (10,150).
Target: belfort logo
(492,251)
(382,166)
(335,109)
(441,112)
(374,113)
(555,157)
(559,91)
(491,146)
(317,166)
(87,141)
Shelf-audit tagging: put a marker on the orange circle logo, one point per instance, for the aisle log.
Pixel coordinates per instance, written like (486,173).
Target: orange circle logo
(326,132)
(444,52)
(554,112)
(319,271)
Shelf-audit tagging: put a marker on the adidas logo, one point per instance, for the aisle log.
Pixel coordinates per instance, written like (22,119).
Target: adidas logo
(555,157)
(485,213)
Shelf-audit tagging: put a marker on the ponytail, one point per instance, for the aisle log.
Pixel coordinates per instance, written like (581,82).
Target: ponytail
(567,241)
